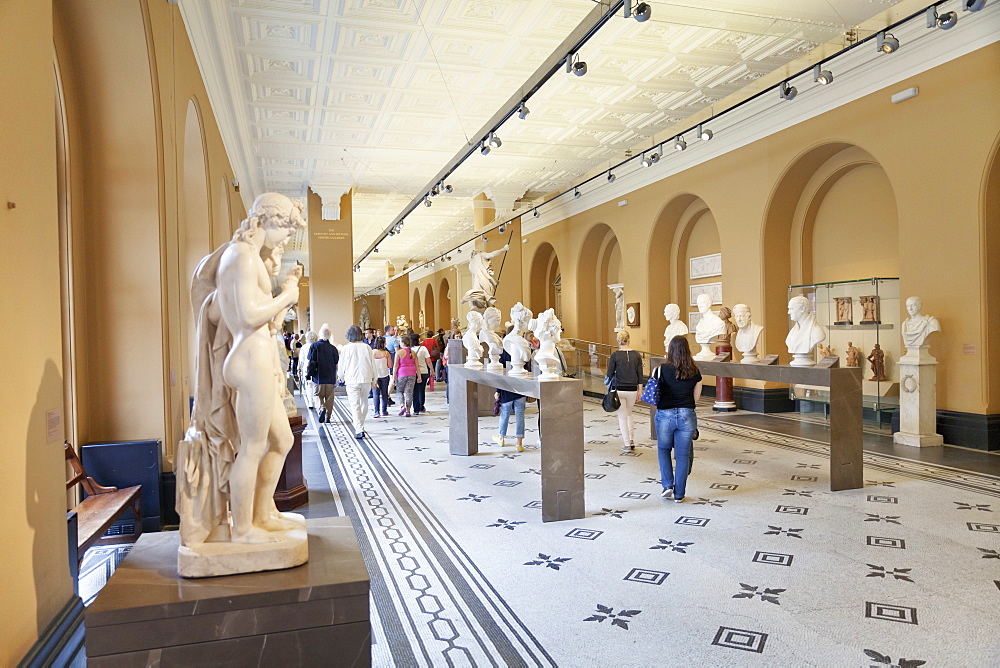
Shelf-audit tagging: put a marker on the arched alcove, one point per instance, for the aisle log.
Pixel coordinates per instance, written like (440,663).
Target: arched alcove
(543,290)
(417,307)
(595,302)
(430,312)
(662,284)
(444,305)
(696,235)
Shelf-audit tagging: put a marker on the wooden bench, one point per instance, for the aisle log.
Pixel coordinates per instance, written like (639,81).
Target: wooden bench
(102,507)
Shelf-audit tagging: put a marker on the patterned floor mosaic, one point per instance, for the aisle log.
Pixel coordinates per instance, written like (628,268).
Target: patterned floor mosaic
(761,566)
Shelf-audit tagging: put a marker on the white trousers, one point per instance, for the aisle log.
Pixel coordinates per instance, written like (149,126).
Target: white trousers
(357,400)
(625,422)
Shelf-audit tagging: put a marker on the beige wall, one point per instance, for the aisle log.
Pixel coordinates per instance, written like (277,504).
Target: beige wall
(939,190)
(331,275)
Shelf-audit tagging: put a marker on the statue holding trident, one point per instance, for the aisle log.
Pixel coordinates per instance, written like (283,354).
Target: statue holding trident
(231,457)
(484,284)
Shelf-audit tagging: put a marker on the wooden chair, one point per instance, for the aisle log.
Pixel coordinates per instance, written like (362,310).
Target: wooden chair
(103,505)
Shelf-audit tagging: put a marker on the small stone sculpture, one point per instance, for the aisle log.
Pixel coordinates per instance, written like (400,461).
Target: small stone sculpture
(747,335)
(473,348)
(401,323)
(805,334)
(869,310)
(366,318)
(548,330)
(852,355)
(917,328)
(844,308)
(515,344)
(877,360)
(824,351)
(675,326)
(709,327)
(619,291)
(489,336)
(725,315)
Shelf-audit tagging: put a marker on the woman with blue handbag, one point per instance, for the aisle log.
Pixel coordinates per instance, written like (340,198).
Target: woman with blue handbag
(679,384)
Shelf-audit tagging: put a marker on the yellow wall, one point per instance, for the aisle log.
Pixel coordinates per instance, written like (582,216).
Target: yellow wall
(758,195)
(331,275)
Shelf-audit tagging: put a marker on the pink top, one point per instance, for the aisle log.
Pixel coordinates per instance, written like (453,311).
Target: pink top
(407,365)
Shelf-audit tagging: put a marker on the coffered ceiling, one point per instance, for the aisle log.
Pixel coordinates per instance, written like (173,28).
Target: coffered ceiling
(378,95)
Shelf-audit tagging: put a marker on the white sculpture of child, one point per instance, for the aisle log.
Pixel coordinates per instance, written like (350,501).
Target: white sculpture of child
(473,350)
(548,329)
(515,344)
(488,335)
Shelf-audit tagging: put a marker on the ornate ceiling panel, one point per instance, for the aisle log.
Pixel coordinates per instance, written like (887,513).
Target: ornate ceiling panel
(378,95)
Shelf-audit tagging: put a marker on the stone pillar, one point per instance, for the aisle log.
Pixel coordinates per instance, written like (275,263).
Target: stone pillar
(331,264)
(724,386)
(917,399)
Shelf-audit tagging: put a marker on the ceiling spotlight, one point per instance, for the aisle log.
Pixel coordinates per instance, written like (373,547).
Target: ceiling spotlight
(680,144)
(427,200)
(484,237)
(611,179)
(485,150)
(973,5)
(786,92)
(435,191)
(535,213)
(642,12)
(821,76)
(448,189)
(502,229)
(576,193)
(650,160)
(522,111)
(704,134)
(494,140)
(575,65)
(375,250)
(886,43)
(944,21)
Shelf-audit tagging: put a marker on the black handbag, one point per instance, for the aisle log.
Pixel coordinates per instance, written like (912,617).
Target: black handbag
(611,401)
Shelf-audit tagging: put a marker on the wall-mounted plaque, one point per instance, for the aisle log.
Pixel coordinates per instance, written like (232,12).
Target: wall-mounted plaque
(704,266)
(694,317)
(845,311)
(714,290)
(870,310)
(632,314)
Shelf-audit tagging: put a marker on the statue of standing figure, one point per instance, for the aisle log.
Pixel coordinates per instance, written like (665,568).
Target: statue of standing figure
(484,284)
(852,355)
(234,449)
(366,318)
(618,289)
(877,360)
(515,344)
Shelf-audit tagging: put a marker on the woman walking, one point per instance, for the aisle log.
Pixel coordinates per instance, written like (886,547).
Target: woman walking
(680,388)
(357,369)
(423,370)
(625,377)
(381,389)
(404,376)
(511,402)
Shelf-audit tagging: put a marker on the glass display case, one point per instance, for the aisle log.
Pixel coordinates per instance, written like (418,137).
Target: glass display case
(862,318)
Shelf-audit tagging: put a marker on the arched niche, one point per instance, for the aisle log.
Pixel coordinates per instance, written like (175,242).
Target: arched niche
(696,234)
(661,280)
(595,302)
(444,305)
(430,313)
(809,231)
(544,291)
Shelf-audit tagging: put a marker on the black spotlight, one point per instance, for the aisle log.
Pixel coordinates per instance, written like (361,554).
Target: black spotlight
(611,177)
(973,5)
(448,189)
(786,92)
(642,12)
(576,193)
(579,68)
(536,214)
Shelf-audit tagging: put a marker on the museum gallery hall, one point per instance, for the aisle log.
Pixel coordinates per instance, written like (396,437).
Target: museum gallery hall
(501,332)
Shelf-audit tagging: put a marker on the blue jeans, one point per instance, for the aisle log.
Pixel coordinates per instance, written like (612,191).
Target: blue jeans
(517,405)
(674,429)
(381,392)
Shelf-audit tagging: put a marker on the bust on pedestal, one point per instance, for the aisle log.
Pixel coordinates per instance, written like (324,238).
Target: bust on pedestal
(515,344)
(548,330)
(805,334)
(747,335)
(473,349)
(675,326)
(918,381)
(709,327)
(489,336)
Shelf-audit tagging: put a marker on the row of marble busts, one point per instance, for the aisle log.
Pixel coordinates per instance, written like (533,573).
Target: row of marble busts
(483,330)
(806,332)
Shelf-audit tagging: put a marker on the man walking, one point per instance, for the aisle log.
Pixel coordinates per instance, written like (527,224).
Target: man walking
(323,358)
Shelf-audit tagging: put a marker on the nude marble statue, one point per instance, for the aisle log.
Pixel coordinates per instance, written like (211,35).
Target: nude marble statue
(805,334)
(618,289)
(709,327)
(747,335)
(366,318)
(675,326)
(514,343)
(484,284)
(235,446)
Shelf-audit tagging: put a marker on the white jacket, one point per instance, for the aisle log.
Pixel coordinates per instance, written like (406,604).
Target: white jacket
(357,364)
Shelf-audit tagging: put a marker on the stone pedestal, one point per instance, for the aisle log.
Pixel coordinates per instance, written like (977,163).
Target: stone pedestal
(148,615)
(291,491)
(917,400)
(723,386)
(705,354)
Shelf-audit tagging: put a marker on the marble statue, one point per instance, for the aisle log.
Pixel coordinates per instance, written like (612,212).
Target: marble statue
(852,356)
(877,360)
(473,348)
(232,454)
(488,335)
(709,327)
(917,328)
(484,284)
(805,334)
(675,326)
(366,318)
(747,335)
(548,329)
(421,322)
(619,291)
(401,323)
(514,343)
(725,315)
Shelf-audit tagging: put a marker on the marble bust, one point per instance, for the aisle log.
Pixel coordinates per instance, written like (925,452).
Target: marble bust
(747,334)
(548,330)
(514,343)
(917,327)
(232,454)
(675,326)
(709,327)
(489,336)
(805,334)
(473,349)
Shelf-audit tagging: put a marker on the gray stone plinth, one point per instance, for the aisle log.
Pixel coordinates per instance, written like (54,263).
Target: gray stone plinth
(917,402)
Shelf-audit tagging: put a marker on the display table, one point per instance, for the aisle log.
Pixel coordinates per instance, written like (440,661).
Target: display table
(312,615)
(560,407)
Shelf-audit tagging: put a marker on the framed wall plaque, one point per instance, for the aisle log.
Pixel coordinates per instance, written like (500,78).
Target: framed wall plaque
(714,290)
(632,314)
(704,266)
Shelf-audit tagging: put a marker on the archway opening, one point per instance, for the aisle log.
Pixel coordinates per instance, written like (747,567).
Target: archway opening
(444,305)
(595,301)
(545,290)
(430,314)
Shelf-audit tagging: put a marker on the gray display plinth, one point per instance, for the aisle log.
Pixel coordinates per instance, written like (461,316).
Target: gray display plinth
(846,451)
(560,407)
(148,615)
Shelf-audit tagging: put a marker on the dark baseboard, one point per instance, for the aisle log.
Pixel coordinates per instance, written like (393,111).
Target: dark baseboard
(970,430)
(168,498)
(61,644)
(760,400)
